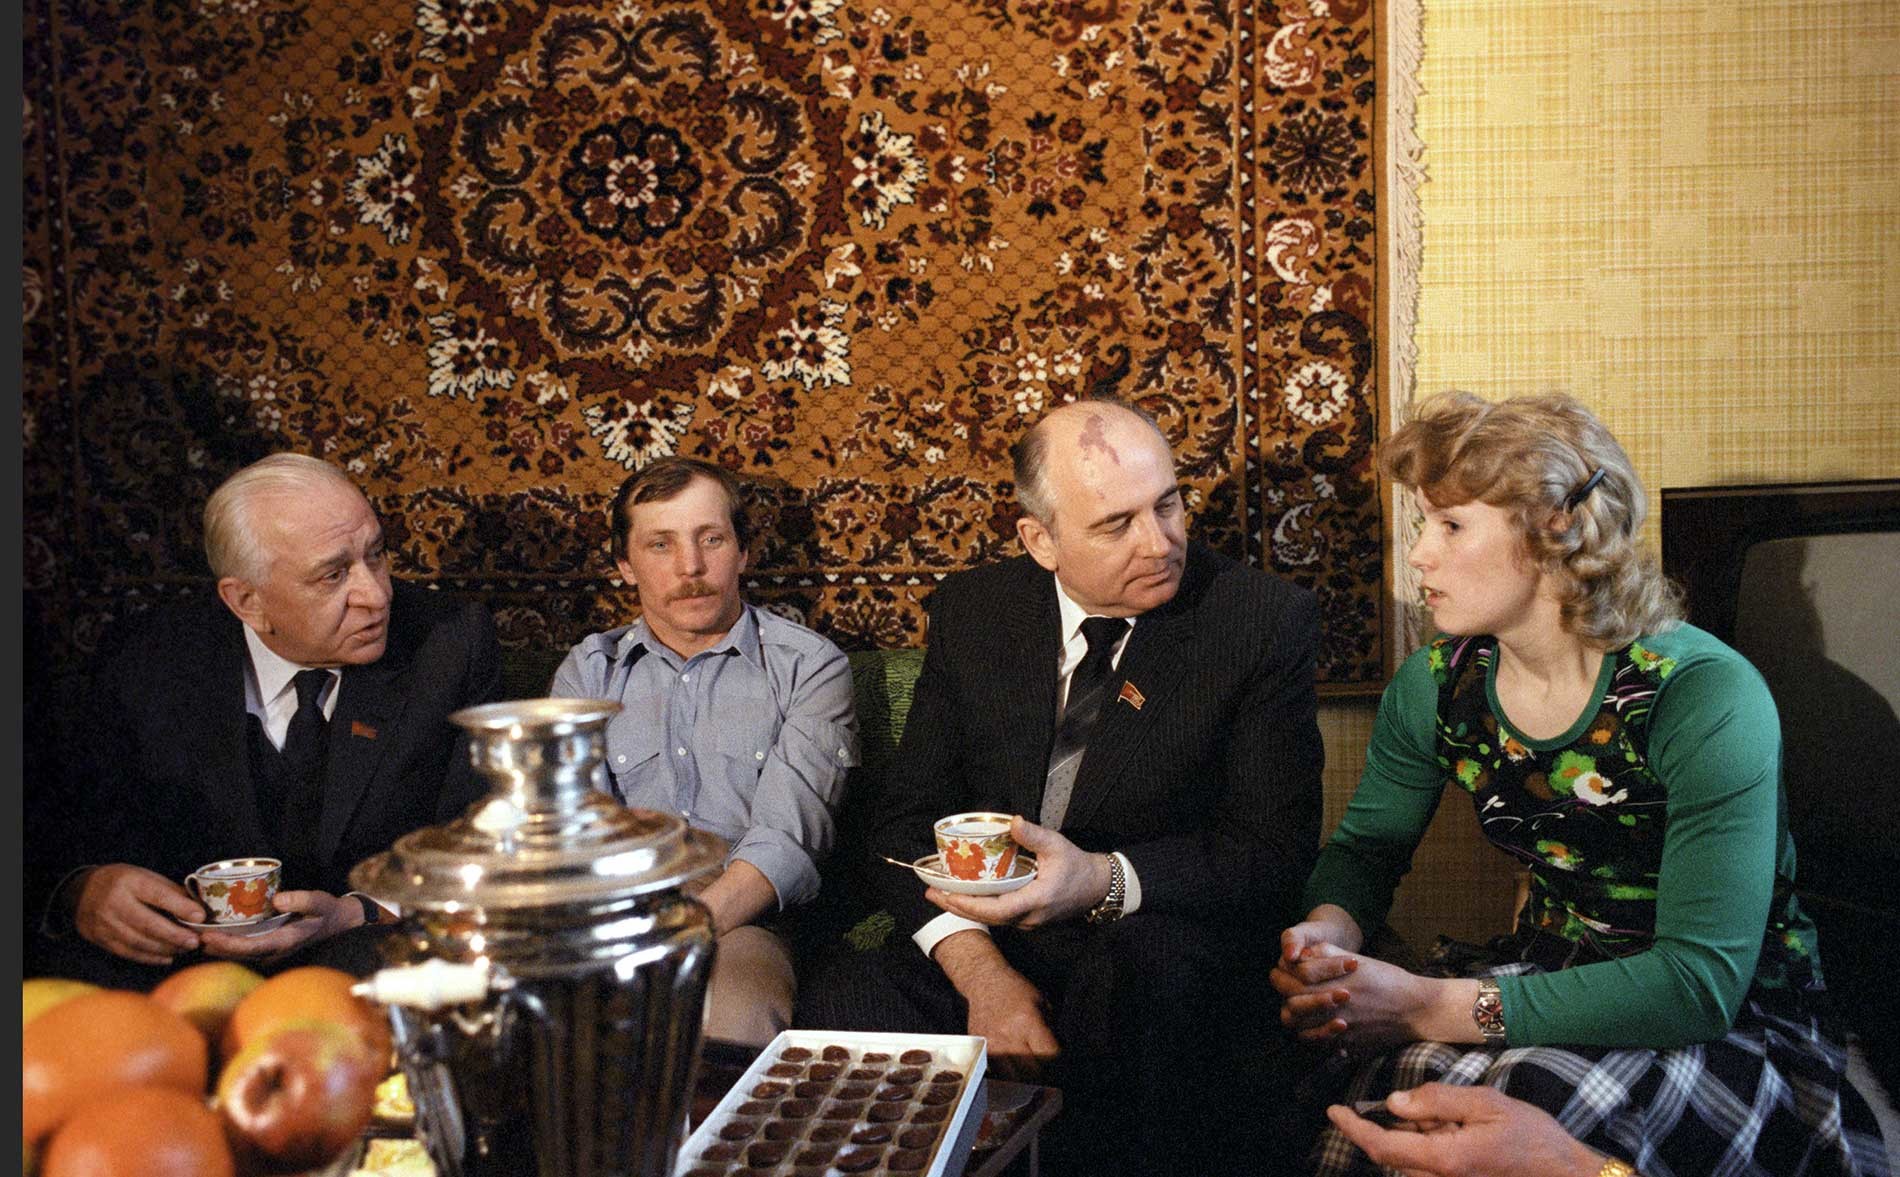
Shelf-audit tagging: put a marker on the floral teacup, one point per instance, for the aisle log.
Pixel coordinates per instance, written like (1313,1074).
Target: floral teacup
(976,845)
(236,890)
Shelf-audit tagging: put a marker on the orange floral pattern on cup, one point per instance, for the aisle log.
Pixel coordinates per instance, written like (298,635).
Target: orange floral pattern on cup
(976,845)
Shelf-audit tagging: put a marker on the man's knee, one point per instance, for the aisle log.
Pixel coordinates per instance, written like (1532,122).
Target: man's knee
(750,997)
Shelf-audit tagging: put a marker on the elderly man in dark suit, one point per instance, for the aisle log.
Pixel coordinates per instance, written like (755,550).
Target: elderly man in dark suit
(1148,707)
(301,716)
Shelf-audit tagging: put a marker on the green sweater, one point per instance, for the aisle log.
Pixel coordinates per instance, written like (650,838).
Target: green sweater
(1654,831)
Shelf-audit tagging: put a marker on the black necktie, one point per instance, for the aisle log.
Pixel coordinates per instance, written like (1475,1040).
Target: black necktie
(303,756)
(1088,687)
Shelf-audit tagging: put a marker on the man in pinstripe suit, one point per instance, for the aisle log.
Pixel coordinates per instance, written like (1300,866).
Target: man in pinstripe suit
(1151,705)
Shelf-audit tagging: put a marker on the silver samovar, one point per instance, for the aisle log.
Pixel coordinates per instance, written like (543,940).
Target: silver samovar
(548,976)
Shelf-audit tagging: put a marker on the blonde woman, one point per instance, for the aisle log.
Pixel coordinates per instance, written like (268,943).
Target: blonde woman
(1659,994)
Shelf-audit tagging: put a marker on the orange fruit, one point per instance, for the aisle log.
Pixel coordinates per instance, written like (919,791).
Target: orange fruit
(39,994)
(97,1042)
(310,992)
(143,1131)
(207,994)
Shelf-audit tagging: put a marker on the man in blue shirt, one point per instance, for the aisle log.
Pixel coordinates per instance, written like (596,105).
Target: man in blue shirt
(732,717)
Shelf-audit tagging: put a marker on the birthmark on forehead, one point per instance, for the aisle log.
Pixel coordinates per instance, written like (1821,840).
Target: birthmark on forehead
(1095,437)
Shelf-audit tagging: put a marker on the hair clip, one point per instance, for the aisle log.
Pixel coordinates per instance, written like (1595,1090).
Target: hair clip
(1583,492)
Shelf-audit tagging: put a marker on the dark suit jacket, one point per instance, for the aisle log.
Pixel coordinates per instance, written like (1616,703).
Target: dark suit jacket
(169,785)
(1211,787)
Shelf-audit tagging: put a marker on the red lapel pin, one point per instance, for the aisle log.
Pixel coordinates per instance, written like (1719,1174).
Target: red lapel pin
(1131,696)
(364,731)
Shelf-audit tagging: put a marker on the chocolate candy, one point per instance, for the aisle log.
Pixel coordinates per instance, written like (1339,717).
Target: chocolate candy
(720,1152)
(753,1107)
(795,1054)
(857,1160)
(739,1130)
(766,1152)
(876,1056)
(914,1057)
(908,1160)
(829,1133)
(906,1075)
(939,1093)
(872,1134)
(916,1137)
(932,1115)
(884,1113)
(784,1070)
(854,1091)
(835,1054)
(810,1089)
(845,1111)
(769,1090)
(947,1077)
(865,1074)
(798,1109)
(825,1071)
(817,1154)
(784,1130)
(892,1091)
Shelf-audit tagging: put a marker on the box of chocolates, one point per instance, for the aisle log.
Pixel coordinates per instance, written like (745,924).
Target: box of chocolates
(819,1103)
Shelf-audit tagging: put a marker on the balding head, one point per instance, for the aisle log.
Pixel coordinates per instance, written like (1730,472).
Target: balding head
(1082,428)
(1104,511)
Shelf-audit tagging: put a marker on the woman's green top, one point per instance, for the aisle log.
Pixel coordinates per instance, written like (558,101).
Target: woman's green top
(1654,831)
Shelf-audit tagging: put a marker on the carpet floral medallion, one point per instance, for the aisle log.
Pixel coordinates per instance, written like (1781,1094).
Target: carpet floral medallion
(489,255)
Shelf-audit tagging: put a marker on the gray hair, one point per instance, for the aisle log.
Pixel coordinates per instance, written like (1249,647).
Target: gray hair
(231,544)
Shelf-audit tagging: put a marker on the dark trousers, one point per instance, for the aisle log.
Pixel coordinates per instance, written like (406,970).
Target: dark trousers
(1165,1027)
(354,951)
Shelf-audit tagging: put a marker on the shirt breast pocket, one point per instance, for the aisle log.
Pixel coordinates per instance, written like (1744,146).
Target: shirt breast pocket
(747,748)
(634,744)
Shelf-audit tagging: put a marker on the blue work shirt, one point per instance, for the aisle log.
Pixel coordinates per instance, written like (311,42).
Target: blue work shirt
(749,740)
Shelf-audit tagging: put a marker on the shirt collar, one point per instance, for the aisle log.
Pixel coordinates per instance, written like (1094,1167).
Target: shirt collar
(1073,615)
(742,638)
(272,670)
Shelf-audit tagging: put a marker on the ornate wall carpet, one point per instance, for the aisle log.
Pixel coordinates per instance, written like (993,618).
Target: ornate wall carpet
(488,255)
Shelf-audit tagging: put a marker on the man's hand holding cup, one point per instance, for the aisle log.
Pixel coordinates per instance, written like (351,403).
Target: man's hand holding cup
(1069,881)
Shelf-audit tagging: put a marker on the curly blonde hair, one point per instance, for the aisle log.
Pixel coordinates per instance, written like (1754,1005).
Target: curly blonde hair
(1533,456)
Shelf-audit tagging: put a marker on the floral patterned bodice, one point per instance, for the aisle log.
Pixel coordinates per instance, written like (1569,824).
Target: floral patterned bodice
(1586,815)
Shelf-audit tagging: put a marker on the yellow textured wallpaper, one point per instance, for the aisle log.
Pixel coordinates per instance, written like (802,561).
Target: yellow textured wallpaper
(1685,214)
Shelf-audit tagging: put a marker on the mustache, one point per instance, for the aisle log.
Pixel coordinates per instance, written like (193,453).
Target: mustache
(692,589)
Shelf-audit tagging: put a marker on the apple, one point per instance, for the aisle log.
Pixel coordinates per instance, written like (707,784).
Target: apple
(207,994)
(39,994)
(296,1097)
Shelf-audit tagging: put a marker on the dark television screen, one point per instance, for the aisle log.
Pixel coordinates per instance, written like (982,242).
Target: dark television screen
(1804,580)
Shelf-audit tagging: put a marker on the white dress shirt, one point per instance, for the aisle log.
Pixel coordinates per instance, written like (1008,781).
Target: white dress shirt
(271,695)
(1075,646)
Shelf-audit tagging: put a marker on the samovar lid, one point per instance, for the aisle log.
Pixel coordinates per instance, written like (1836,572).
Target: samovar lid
(544,835)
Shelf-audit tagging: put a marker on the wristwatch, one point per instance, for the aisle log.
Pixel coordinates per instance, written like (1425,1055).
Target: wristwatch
(372,910)
(1110,908)
(1488,1012)
(1615,1168)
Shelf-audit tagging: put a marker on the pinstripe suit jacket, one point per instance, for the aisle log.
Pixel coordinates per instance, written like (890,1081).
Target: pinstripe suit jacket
(171,788)
(1211,786)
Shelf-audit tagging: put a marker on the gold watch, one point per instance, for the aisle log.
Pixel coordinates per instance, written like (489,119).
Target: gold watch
(1488,1012)
(1615,1168)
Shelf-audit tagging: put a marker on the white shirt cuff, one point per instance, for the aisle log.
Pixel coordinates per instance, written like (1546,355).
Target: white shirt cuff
(941,928)
(1131,902)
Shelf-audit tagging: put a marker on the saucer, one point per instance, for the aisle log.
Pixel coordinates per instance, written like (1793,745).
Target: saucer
(256,927)
(929,868)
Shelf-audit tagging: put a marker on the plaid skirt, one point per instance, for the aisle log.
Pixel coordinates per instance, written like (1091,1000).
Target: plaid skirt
(1771,1099)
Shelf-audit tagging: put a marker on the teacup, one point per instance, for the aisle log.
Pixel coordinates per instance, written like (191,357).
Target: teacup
(236,890)
(976,845)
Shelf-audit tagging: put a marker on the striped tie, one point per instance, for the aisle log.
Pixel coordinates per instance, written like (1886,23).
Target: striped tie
(1087,688)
